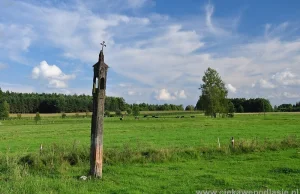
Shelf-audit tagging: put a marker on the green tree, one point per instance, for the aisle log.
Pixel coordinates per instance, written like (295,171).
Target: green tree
(135,110)
(214,93)
(189,108)
(37,117)
(275,108)
(240,109)
(129,111)
(200,104)
(231,109)
(4,110)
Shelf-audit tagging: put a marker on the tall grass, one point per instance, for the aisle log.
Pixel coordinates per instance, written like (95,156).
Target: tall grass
(56,159)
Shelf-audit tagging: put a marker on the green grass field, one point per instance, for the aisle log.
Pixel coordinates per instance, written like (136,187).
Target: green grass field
(152,155)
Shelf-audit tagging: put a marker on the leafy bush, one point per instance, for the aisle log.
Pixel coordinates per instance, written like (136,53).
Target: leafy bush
(63,115)
(4,110)
(107,113)
(129,111)
(118,112)
(136,110)
(37,117)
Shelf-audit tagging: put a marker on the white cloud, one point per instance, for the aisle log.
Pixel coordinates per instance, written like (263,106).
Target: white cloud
(52,74)
(216,30)
(164,94)
(276,30)
(159,50)
(180,94)
(15,39)
(266,84)
(131,93)
(287,78)
(231,88)
(291,95)
(54,83)
(209,11)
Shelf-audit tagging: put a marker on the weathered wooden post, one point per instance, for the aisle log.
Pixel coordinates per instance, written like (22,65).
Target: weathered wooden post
(99,86)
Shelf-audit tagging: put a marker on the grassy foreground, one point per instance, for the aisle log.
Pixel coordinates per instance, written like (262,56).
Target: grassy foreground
(152,155)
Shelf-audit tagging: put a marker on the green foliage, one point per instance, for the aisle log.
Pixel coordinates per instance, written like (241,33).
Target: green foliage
(240,109)
(135,110)
(231,109)
(63,115)
(288,107)
(200,103)
(118,112)
(214,93)
(252,105)
(37,117)
(129,111)
(275,109)
(57,103)
(189,108)
(4,110)
(107,113)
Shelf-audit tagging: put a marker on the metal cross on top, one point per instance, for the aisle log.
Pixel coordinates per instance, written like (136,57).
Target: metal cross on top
(103,44)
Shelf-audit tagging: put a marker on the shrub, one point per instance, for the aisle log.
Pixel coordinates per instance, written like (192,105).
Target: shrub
(107,113)
(118,112)
(19,115)
(189,108)
(129,111)
(63,115)
(136,110)
(37,117)
(4,110)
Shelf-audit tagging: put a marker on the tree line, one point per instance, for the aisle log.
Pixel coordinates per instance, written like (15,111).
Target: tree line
(56,103)
(288,107)
(243,105)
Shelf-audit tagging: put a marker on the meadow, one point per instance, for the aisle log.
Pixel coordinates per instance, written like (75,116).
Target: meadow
(152,155)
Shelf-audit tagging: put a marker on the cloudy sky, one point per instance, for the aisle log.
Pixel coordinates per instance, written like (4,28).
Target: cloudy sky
(157,50)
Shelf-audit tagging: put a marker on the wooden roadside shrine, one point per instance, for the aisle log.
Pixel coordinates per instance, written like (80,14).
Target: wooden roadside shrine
(99,87)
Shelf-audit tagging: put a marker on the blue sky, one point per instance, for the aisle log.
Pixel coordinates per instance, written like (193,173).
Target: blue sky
(157,50)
